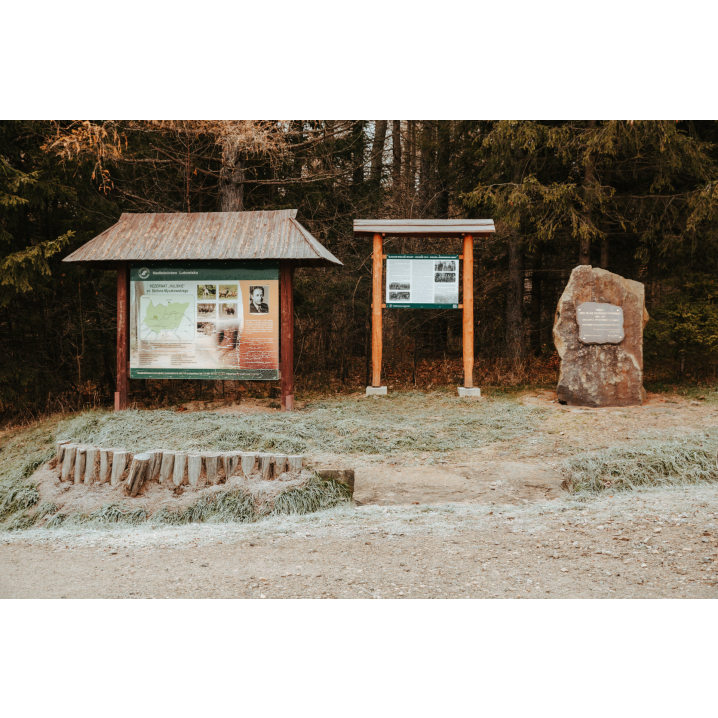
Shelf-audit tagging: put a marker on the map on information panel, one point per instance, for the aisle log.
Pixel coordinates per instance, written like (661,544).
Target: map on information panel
(167,318)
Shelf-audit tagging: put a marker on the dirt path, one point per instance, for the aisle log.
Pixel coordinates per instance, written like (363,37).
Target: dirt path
(652,544)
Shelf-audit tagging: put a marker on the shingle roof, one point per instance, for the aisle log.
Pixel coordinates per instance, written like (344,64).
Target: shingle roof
(206,236)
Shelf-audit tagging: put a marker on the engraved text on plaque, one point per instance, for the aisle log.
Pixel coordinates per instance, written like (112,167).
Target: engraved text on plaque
(600,323)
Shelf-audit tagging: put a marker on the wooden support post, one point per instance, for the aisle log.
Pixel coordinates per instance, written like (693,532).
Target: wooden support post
(58,452)
(68,462)
(167,466)
(123,334)
(92,465)
(179,468)
(139,473)
(80,459)
(248,461)
(213,467)
(231,463)
(295,464)
(287,335)
(468,311)
(265,466)
(153,468)
(194,470)
(105,465)
(120,460)
(376,336)
(280,465)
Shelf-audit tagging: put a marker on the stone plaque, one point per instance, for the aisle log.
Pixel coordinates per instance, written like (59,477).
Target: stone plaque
(600,323)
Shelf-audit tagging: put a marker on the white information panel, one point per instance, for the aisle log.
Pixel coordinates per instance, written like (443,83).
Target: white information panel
(422,281)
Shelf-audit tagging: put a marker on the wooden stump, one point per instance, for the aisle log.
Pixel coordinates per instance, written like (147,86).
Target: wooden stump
(105,465)
(231,461)
(92,465)
(139,472)
(248,461)
(213,467)
(80,458)
(265,466)
(68,461)
(120,459)
(279,462)
(295,464)
(166,467)
(179,471)
(153,471)
(61,455)
(58,449)
(194,470)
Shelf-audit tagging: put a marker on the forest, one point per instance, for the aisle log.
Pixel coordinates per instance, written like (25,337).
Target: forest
(638,198)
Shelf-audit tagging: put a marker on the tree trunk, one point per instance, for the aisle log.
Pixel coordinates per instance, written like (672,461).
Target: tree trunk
(231,178)
(426,185)
(377,150)
(410,161)
(358,155)
(536,301)
(604,252)
(443,166)
(584,250)
(515,343)
(396,152)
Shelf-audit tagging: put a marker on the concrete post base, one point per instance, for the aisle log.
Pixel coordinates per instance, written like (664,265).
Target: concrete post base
(375,390)
(474,392)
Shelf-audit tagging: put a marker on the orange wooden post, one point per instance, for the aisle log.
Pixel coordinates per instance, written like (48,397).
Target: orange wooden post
(376,346)
(468,311)
(123,335)
(287,335)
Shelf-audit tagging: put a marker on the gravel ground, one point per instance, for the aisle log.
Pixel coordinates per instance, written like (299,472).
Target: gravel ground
(659,543)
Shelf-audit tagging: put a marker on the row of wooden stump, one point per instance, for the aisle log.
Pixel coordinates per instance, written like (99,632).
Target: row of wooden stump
(83,464)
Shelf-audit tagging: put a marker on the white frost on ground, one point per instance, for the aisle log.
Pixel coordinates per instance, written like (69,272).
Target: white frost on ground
(674,504)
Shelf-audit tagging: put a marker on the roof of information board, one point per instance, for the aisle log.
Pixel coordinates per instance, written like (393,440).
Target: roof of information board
(206,236)
(423,227)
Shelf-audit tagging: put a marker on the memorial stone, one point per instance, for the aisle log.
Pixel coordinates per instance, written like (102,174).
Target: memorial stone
(598,333)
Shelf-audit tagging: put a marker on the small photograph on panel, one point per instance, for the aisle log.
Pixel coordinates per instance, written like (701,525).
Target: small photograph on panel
(446,298)
(228,291)
(444,277)
(206,291)
(445,265)
(399,285)
(258,295)
(206,328)
(399,296)
(227,310)
(206,310)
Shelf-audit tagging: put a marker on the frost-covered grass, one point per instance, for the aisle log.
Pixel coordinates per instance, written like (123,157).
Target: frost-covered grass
(403,422)
(690,460)
(22,451)
(236,506)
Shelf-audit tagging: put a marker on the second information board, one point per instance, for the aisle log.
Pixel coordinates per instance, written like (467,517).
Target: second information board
(422,281)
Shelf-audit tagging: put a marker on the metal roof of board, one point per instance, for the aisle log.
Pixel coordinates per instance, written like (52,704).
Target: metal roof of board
(423,227)
(206,236)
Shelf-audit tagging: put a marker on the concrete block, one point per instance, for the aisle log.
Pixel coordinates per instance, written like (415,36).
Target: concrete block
(375,390)
(346,476)
(474,392)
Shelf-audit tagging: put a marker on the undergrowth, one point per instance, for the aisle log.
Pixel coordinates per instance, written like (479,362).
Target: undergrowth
(690,460)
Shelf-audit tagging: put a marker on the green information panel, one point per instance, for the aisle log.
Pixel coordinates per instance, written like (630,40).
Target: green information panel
(204,320)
